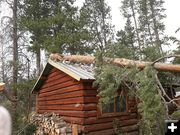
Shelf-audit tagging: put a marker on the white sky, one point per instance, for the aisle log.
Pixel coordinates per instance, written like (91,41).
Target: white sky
(172,22)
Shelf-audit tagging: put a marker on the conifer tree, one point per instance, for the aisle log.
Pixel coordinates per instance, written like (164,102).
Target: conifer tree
(126,46)
(145,38)
(147,16)
(56,26)
(98,22)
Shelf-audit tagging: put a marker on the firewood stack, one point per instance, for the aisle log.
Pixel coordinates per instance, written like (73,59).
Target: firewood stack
(51,124)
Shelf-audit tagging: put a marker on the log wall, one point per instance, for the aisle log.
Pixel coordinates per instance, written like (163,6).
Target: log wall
(64,95)
(77,102)
(103,123)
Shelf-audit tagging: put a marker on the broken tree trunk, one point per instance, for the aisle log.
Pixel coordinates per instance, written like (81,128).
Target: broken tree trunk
(122,62)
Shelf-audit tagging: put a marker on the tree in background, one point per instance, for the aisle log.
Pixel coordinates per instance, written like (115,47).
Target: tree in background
(147,17)
(98,22)
(55,26)
(59,26)
(142,38)
(14,66)
(126,45)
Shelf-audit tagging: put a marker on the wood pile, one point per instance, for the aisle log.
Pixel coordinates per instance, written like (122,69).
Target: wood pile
(51,124)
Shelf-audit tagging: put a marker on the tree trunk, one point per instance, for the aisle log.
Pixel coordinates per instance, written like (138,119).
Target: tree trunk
(103,21)
(38,61)
(116,61)
(158,42)
(148,24)
(135,23)
(15,57)
(2,59)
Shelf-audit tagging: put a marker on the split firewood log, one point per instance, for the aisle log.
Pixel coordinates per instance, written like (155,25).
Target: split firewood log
(2,86)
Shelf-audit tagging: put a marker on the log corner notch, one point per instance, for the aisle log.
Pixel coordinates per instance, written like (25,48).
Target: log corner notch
(122,62)
(2,87)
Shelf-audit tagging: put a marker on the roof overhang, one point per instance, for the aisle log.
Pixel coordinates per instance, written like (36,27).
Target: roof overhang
(77,74)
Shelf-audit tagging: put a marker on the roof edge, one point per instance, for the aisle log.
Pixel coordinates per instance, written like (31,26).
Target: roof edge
(51,62)
(39,78)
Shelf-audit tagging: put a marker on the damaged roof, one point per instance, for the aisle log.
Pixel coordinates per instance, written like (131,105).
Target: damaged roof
(76,71)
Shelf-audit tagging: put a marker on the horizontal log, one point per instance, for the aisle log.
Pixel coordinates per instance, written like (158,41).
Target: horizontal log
(79,107)
(53,70)
(133,110)
(64,79)
(74,120)
(81,114)
(72,88)
(97,127)
(78,93)
(102,132)
(55,77)
(59,86)
(96,120)
(106,115)
(77,100)
(121,62)
(61,91)
(109,125)
(127,122)
(129,128)
(55,73)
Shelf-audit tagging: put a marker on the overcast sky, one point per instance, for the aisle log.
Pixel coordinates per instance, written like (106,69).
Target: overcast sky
(172,21)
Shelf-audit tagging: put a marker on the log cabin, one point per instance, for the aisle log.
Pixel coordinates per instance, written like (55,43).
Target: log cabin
(68,90)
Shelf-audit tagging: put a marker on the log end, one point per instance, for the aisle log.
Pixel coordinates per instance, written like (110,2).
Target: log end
(2,86)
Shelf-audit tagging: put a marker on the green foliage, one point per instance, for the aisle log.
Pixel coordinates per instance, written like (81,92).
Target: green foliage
(147,17)
(150,107)
(142,84)
(55,26)
(29,129)
(97,19)
(110,78)
(176,115)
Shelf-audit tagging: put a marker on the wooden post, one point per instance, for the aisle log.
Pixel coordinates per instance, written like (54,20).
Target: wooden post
(74,129)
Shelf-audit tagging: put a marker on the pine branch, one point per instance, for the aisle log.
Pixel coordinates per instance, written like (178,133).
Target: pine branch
(164,57)
(7,95)
(164,93)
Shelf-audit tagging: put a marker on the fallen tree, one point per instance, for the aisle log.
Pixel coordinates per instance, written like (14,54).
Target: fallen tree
(122,62)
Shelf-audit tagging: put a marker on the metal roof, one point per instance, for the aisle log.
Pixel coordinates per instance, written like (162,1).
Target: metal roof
(75,71)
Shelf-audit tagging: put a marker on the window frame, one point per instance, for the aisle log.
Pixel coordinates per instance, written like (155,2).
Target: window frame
(115,113)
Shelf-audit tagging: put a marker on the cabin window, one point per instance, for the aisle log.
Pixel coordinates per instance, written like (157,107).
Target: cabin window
(118,104)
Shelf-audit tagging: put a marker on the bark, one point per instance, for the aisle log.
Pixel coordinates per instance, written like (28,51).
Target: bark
(3,63)
(135,23)
(103,21)
(15,59)
(148,24)
(122,62)
(158,42)
(38,61)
